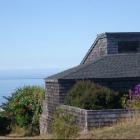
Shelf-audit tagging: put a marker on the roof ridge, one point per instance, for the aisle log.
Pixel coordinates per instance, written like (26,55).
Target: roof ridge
(85,65)
(97,61)
(129,58)
(122,32)
(77,68)
(94,62)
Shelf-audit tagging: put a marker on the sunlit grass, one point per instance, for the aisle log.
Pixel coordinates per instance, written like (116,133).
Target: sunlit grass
(129,128)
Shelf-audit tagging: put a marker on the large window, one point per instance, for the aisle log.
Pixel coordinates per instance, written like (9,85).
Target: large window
(128,46)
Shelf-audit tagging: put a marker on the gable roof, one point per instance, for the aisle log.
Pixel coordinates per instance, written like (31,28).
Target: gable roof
(107,35)
(110,66)
(100,36)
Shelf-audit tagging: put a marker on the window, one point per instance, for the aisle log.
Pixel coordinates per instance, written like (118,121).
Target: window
(128,46)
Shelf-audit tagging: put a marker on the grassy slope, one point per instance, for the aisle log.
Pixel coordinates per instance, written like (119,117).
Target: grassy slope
(128,129)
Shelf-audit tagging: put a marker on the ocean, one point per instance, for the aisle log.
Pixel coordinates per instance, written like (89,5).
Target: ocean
(11,80)
(8,86)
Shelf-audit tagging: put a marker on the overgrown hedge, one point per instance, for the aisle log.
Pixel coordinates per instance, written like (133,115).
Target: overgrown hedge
(24,108)
(88,95)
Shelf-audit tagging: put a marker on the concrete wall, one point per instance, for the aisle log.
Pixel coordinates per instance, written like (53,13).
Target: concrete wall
(89,119)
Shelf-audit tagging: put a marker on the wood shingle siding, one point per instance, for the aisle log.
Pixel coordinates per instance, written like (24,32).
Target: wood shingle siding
(102,65)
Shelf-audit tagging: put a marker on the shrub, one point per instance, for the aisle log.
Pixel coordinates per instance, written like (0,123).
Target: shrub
(64,125)
(24,107)
(125,101)
(134,104)
(130,103)
(88,95)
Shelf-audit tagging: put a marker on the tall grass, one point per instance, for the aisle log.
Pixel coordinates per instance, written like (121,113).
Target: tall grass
(124,129)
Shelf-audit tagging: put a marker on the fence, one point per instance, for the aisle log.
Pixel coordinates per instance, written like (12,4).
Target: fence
(88,119)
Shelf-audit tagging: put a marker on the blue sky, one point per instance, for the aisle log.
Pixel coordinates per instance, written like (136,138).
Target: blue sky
(44,34)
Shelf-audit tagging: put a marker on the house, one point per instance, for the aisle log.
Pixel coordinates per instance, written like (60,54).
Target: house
(112,61)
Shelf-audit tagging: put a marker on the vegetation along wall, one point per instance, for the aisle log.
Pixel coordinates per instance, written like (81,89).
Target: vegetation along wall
(88,119)
(56,90)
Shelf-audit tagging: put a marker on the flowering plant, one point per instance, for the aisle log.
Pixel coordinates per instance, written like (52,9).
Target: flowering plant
(135,92)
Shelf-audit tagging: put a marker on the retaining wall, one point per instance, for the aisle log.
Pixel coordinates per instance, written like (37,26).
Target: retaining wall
(88,119)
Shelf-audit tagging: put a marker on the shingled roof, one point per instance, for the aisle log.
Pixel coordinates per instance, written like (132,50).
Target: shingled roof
(108,35)
(110,66)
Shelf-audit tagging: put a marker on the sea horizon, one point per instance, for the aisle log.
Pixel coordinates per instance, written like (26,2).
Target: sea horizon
(12,80)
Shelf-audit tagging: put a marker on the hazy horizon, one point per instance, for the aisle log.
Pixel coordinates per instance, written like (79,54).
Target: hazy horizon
(10,80)
(28,73)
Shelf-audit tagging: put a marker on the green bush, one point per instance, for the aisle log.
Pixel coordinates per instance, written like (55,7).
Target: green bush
(88,95)
(130,103)
(125,101)
(24,107)
(134,104)
(64,125)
